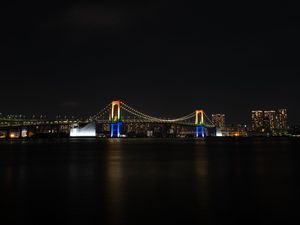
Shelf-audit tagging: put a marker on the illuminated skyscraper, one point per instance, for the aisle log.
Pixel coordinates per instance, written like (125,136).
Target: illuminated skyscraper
(257,119)
(282,119)
(270,122)
(218,120)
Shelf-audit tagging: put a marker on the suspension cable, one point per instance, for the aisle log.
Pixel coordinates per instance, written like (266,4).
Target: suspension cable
(101,112)
(210,122)
(159,119)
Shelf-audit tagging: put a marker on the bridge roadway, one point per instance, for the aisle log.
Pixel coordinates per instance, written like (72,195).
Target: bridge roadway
(18,123)
(57,128)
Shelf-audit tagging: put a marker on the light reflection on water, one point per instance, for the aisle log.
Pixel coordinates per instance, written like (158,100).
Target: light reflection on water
(114,180)
(144,181)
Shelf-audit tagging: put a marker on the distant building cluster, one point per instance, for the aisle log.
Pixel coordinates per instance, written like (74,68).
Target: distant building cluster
(263,123)
(271,122)
(227,130)
(218,120)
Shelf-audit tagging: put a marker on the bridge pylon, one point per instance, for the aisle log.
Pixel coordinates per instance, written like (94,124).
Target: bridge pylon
(115,119)
(199,122)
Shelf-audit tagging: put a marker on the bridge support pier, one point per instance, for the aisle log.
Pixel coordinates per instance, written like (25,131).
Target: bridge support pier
(115,129)
(199,122)
(200,131)
(115,119)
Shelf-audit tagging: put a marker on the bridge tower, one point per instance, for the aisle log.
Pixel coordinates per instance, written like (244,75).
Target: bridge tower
(199,122)
(115,119)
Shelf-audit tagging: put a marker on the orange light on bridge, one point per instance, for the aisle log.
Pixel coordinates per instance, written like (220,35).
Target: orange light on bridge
(201,120)
(118,105)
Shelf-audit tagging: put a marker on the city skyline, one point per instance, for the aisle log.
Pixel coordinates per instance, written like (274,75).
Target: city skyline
(118,119)
(218,119)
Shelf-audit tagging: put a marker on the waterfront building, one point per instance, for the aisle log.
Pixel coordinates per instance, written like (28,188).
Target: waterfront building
(271,122)
(218,120)
(257,120)
(282,119)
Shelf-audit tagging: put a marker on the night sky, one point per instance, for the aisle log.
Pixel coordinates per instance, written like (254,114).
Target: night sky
(163,58)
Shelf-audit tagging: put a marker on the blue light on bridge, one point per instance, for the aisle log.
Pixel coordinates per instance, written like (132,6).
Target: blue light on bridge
(118,129)
(201,130)
(115,129)
(111,130)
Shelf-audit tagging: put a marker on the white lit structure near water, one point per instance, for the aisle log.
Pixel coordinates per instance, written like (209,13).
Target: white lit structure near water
(88,130)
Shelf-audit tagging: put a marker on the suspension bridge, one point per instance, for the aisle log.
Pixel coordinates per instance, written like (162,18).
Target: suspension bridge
(118,114)
(115,120)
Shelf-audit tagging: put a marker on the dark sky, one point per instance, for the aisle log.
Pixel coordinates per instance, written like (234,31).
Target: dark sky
(163,58)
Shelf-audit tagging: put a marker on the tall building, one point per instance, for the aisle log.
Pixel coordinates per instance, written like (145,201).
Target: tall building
(218,120)
(270,121)
(282,119)
(257,120)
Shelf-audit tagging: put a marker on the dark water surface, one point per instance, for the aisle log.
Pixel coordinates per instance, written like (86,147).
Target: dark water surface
(145,181)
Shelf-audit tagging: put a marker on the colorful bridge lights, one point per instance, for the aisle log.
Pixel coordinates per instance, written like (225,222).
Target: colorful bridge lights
(200,131)
(115,129)
(116,121)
